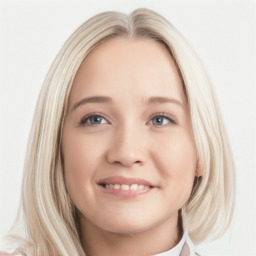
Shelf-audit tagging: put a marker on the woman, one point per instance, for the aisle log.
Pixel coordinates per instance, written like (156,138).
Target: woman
(128,152)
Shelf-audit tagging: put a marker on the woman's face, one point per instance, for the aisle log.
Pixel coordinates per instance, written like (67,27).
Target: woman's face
(129,154)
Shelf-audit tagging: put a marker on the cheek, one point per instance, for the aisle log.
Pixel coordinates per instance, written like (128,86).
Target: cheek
(80,162)
(175,157)
(174,153)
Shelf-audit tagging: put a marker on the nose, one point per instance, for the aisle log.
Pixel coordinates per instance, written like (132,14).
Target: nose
(128,147)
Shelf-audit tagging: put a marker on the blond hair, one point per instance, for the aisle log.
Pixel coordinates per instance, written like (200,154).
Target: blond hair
(46,210)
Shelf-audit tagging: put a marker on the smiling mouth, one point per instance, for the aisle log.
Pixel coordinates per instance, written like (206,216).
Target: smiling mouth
(133,187)
(125,187)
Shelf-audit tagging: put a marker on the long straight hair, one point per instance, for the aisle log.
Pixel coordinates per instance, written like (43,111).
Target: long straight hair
(46,213)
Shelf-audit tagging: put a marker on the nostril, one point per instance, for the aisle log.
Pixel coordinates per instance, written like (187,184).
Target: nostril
(117,163)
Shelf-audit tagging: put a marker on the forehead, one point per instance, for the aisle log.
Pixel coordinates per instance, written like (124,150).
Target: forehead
(132,67)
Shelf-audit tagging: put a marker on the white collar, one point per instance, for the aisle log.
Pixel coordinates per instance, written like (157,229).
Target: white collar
(185,247)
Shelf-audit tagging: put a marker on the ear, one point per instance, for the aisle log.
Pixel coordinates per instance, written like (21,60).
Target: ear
(198,169)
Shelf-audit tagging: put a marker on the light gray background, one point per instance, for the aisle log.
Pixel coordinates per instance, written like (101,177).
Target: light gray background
(222,33)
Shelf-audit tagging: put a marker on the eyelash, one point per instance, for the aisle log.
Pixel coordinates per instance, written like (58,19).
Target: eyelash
(157,115)
(163,115)
(86,118)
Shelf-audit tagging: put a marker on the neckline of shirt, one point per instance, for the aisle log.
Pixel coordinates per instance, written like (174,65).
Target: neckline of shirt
(176,250)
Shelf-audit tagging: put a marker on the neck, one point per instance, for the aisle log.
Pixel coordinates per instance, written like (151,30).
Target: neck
(160,238)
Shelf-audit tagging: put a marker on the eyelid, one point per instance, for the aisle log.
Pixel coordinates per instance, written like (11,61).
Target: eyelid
(83,120)
(86,117)
(163,114)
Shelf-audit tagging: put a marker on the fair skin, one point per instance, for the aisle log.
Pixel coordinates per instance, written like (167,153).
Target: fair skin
(129,154)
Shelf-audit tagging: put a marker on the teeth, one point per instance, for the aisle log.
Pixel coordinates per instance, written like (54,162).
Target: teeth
(133,187)
(117,186)
(125,187)
(141,187)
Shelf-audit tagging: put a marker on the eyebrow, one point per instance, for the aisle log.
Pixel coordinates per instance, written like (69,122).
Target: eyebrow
(95,99)
(107,100)
(154,100)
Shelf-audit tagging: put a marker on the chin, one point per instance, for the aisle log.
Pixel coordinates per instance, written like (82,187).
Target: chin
(129,225)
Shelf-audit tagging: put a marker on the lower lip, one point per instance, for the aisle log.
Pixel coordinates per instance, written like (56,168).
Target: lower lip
(125,193)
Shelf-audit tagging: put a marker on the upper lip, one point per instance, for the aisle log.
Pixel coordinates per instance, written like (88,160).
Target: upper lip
(125,180)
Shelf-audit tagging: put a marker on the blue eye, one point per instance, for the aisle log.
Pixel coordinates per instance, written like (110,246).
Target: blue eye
(93,120)
(162,120)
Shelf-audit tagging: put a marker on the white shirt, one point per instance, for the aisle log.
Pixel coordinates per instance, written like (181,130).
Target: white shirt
(185,247)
